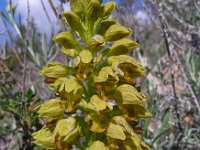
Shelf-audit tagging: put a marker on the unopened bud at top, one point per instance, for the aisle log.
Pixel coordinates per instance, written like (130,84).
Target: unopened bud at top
(74,22)
(93,10)
(108,9)
(77,6)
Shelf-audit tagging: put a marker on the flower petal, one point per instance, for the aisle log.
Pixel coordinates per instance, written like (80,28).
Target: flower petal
(126,66)
(66,130)
(44,138)
(97,145)
(127,94)
(115,131)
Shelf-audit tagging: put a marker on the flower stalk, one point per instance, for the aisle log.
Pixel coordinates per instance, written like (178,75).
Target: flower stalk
(98,104)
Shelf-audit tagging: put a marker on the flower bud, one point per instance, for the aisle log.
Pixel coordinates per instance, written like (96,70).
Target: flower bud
(105,24)
(51,109)
(44,138)
(69,52)
(123,46)
(54,70)
(95,43)
(67,40)
(93,10)
(66,131)
(74,22)
(108,9)
(116,32)
(77,6)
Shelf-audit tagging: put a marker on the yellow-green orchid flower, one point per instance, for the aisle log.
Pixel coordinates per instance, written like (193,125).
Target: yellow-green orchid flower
(44,138)
(54,70)
(52,109)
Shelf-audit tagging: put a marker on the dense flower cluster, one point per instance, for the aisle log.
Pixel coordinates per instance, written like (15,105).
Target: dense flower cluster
(98,102)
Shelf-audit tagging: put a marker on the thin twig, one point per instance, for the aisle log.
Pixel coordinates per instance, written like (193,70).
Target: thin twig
(187,79)
(178,18)
(153,20)
(53,8)
(57,15)
(11,40)
(24,81)
(165,36)
(26,132)
(6,90)
(10,72)
(44,8)
(9,33)
(196,5)
(24,66)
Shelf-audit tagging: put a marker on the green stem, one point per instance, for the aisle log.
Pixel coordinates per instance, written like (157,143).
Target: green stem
(79,145)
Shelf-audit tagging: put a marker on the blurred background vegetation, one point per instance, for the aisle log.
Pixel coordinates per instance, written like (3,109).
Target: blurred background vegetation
(169,34)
